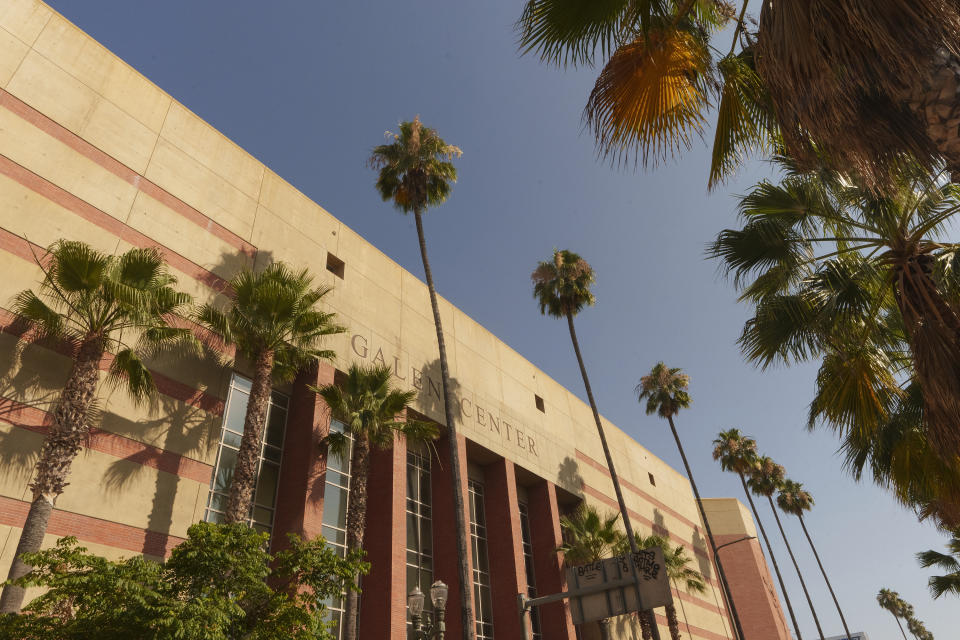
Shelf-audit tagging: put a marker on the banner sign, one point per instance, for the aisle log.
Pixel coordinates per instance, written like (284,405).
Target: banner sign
(611,589)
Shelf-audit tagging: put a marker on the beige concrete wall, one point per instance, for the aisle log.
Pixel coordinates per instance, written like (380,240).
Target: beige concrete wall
(96,130)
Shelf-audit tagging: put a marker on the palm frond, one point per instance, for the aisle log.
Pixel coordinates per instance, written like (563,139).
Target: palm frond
(128,370)
(651,98)
(572,32)
(746,122)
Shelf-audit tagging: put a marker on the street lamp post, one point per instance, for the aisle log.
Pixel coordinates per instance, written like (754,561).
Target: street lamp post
(432,623)
(727,544)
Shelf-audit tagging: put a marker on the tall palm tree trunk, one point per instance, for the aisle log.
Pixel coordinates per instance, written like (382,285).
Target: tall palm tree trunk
(466,595)
(773,558)
(706,524)
(673,622)
(825,578)
(797,567)
(356,522)
(897,618)
(606,452)
(60,448)
(244,481)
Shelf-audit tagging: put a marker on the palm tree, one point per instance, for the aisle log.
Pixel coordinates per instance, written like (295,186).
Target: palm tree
(886,92)
(369,406)
(94,303)
(588,537)
(890,600)
(766,479)
(678,570)
(562,288)
(949,562)
(918,630)
(860,282)
(273,320)
(415,173)
(794,500)
(738,454)
(664,391)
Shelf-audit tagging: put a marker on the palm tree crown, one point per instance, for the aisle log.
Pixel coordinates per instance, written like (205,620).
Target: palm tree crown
(735,451)
(665,391)
(274,310)
(588,535)
(368,406)
(562,285)
(767,477)
(415,171)
(860,82)
(793,499)
(91,297)
(949,562)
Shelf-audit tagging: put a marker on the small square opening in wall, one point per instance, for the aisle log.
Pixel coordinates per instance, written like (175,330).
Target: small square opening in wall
(539,401)
(652,481)
(335,265)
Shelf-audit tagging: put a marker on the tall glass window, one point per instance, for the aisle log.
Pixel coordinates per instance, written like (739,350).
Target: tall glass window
(419,527)
(334,528)
(265,496)
(528,565)
(481,562)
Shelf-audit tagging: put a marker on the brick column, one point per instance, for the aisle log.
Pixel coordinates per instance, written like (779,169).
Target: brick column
(508,575)
(300,490)
(753,591)
(444,523)
(383,608)
(548,565)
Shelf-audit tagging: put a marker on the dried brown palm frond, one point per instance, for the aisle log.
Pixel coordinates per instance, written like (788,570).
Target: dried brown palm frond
(864,81)
(651,97)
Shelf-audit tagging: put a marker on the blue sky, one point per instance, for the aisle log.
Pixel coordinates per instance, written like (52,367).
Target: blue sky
(309,88)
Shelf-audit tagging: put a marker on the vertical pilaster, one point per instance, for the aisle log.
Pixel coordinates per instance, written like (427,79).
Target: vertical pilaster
(444,527)
(545,536)
(300,486)
(383,608)
(508,575)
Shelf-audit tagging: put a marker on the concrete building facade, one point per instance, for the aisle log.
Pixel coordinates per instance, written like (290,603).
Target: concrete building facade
(91,150)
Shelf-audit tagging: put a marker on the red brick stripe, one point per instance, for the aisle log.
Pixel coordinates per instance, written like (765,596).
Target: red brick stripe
(112,444)
(13,513)
(703,633)
(78,144)
(637,490)
(105,221)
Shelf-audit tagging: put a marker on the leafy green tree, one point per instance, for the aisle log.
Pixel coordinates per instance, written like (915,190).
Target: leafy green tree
(949,562)
(219,584)
(678,570)
(890,600)
(588,537)
(784,81)
(273,320)
(371,410)
(738,454)
(99,306)
(766,478)
(664,391)
(861,283)
(415,173)
(793,499)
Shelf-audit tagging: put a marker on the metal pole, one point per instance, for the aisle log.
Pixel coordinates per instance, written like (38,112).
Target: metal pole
(522,610)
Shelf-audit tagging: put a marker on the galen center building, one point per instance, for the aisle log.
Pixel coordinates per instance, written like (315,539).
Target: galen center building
(90,150)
